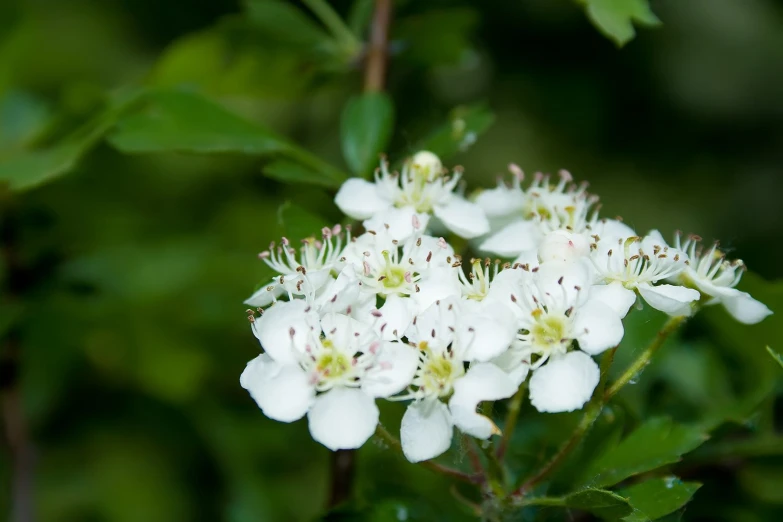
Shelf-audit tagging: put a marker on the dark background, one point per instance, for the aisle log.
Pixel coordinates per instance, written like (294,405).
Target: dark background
(132,332)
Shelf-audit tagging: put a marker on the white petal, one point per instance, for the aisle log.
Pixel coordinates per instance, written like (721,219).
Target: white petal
(341,293)
(399,221)
(483,382)
(671,299)
(396,363)
(501,201)
(462,217)
(488,327)
(426,430)
(565,383)
(343,418)
(396,316)
(513,239)
(441,286)
(597,327)
(745,309)
(614,295)
(284,329)
(610,230)
(265,295)
(562,245)
(283,392)
(360,199)
(515,366)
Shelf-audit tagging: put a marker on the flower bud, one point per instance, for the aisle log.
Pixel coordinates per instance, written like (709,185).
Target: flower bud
(426,165)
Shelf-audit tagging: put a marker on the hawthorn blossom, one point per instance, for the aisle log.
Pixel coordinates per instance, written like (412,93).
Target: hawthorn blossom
(633,264)
(555,315)
(428,423)
(307,273)
(715,277)
(331,372)
(421,189)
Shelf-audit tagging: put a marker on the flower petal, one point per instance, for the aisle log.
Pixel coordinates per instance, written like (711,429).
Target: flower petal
(614,295)
(341,293)
(501,201)
(745,308)
(397,363)
(564,383)
(426,430)
(399,221)
(343,418)
(489,327)
(597,327)
(671,299)
(439,286)
(483,382)
(513,239)
(360,199)
(462,217)
(284,329)
(396,316)
(283,392)
(562,245)
(266,295)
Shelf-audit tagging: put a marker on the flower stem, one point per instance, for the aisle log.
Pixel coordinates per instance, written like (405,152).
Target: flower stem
(392,441)
(334,23)
(594,408)
(375,66)
(644,358)
(511,420)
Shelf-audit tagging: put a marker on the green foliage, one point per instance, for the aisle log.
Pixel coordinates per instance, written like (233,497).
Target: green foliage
(615,18)
(286,23)
(658,497)
(465,125)
(655,443)
(602,503)
(775,355)
(365,130)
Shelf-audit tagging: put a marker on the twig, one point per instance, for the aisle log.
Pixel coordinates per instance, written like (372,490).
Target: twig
(14,421)
(343,466)
(592,412)
(432,466)
(511,420)
(644,358)
(375,66)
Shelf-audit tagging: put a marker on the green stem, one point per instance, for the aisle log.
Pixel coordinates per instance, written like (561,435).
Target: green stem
(644,358)
(334,23)
(511,420)
(592,412)
(543,501)
(432,466)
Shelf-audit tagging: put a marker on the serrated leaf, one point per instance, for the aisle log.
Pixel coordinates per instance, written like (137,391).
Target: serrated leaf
(285,22)
(655,443)
(775,355)
(615,18)
(365,130)
(658,497)
(602,503)
(466,124)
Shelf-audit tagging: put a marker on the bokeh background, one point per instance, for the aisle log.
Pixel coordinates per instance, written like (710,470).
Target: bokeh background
(130,271)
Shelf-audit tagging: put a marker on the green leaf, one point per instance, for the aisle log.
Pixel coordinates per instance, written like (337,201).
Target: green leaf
(655,443)
(29,169)
(365,130)
(23,117)
(298,223)
(602,503)
(658,497)
(465,125)
(187,122)
(775,355)
(285,23)
(614,18)
(291,172)
(436,37)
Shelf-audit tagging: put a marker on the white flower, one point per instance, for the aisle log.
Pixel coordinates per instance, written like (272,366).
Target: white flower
(427,425)
(635,264)
(716,277)
(299,276)
(332,376)
(540,209)
(554,316)
(420,190)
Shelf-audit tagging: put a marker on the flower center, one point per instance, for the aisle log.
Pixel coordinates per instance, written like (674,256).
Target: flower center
(549,332)
(332,364)
(437,373)
(393,277)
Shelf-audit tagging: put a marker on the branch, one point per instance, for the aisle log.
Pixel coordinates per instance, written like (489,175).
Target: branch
(375,66)
(511,420)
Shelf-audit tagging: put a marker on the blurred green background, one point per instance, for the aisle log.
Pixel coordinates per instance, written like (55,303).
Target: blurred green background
(130,272)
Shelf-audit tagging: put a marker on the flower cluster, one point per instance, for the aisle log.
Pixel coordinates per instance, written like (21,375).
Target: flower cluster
(395,313)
